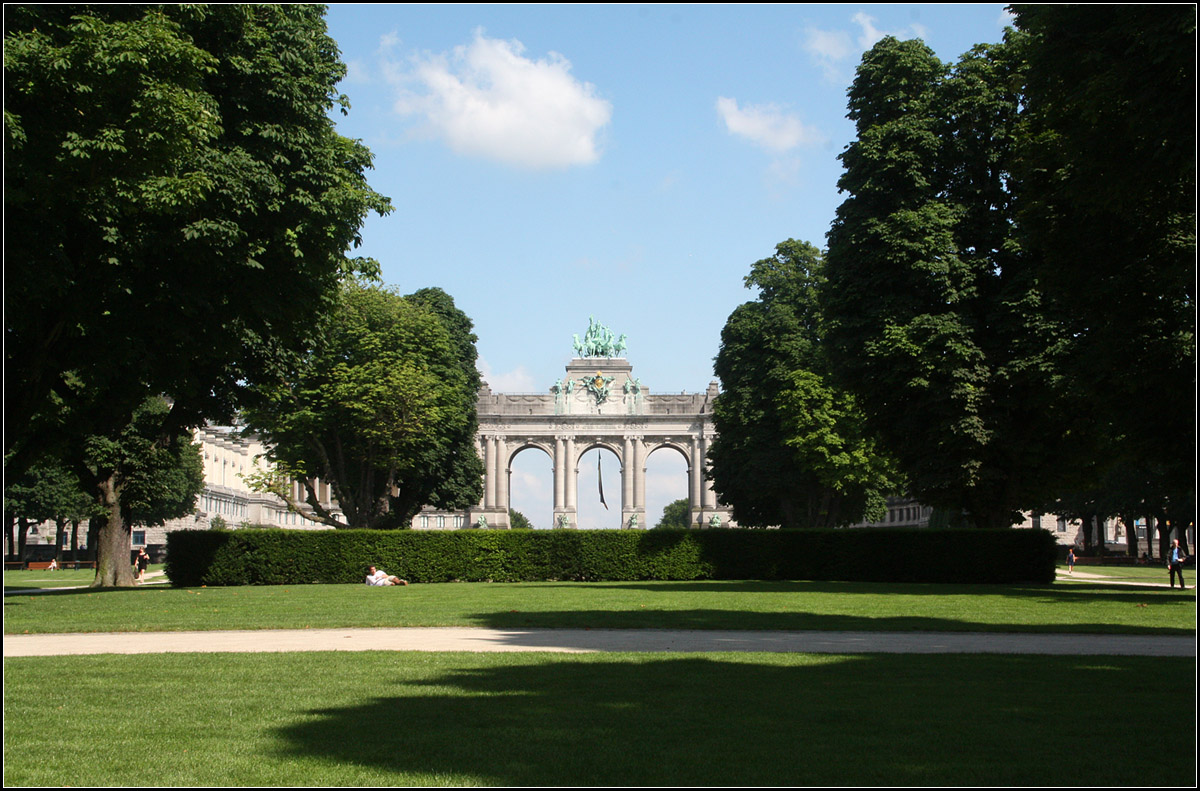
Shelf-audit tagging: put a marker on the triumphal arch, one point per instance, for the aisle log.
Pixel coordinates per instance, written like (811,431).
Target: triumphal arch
(598,403)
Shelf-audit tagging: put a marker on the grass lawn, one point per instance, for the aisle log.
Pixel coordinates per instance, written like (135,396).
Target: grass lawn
(1153,572)
(1073,607)
(635,719)
(451,719)
(63,578)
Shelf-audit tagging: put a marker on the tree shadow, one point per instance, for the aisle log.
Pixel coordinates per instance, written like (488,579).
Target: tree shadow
(740,620)
(566,720)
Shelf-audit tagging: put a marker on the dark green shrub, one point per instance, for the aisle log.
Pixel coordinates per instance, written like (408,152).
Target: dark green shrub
(277,557)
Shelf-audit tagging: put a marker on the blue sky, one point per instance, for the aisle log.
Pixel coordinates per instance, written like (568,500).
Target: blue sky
(551,163)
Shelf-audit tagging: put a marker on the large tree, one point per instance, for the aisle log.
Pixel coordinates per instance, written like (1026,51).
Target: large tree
(936,319)
(46,491)
(378,410)
(144,478)
(791,447)
(178,211)
(676,515)
(1107,173)
(452,471)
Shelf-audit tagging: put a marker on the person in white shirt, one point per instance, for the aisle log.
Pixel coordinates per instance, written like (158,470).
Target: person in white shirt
(382,578)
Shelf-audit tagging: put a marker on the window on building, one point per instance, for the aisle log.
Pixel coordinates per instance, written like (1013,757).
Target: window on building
(425,521)
(139,538)
(1037,521)
(441,521)
(1062,524)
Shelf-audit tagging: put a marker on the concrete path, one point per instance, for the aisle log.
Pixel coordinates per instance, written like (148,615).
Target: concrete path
(589,640)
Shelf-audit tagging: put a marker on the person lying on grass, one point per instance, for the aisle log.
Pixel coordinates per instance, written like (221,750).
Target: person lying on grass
(376,577)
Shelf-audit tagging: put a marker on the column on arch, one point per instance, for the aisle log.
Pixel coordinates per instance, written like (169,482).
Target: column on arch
(489,471)
(695,475)
(627,476)
(503,475)
(639,477)
(572,476)
(560,475)
(708,496)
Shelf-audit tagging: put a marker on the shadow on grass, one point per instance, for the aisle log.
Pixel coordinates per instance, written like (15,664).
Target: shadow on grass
(1050,592)
(704,619)
(863,720)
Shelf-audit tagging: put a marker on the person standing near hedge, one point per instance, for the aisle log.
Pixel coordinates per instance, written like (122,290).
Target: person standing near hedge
(382,578)
(1071,560)
(1175,563)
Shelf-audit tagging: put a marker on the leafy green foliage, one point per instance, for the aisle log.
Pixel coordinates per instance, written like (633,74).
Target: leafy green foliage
(160,476)
(1107,167)
(791,448)
(278,557)
(518,520)
(47,491)
(676,515)
(377,410)
(936,322)
(453,471)
(178,211)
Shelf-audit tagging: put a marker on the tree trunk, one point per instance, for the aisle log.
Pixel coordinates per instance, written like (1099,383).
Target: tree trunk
(1131,537)
(10,524)
(114,567)
(1164,537)
(1085,531)
(22,537)
(58,541)
(1098,526)
(74,539)
(1178,529)
(93,537)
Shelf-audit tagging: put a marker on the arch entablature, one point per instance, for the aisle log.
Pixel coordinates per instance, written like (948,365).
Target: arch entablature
(597,404)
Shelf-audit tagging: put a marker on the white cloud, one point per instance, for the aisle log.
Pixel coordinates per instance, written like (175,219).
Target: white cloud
(766,125)
(518,380)
(870,34)
(829,49)
(835,52)
(487,99)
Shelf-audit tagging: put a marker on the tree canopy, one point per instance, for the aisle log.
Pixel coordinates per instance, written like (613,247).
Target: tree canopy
(378,410)
(518,520)
(140,476)
(178,204)
(1011,277)
(178,210)
(791,447)
(676,515)
(934,313)
(1107,167)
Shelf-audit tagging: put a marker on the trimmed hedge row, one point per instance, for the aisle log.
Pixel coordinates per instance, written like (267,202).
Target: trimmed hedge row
(279,557)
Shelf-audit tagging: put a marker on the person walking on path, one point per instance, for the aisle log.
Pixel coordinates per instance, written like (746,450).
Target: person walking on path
(1071,560)
(142,561)
(1175,563)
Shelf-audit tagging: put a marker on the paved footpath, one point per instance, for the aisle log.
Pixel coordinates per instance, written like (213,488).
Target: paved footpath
(589,640)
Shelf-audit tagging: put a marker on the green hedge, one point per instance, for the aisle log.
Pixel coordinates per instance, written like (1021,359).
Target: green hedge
(278,557)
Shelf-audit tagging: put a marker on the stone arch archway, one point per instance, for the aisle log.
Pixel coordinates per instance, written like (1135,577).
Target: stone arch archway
(520,486)
(598,403)
(668,479)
